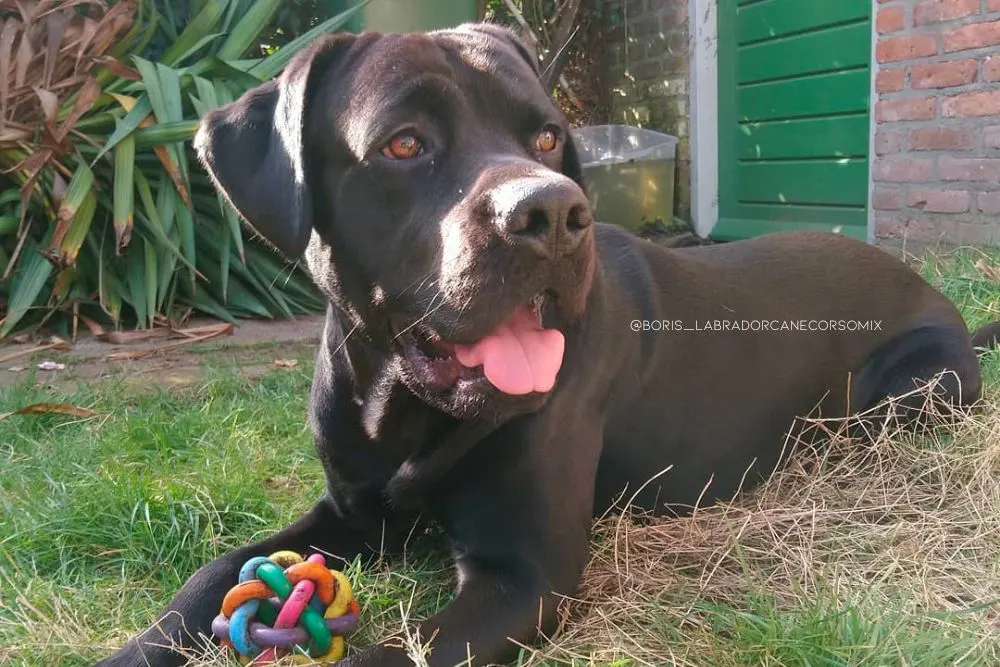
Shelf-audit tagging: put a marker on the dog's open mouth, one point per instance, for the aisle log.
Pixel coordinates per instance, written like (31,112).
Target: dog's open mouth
(520,356)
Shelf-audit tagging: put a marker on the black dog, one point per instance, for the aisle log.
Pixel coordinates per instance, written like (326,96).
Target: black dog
(495,362)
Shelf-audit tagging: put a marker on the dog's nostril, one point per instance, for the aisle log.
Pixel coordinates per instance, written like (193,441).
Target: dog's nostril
(537,223)
(578,218)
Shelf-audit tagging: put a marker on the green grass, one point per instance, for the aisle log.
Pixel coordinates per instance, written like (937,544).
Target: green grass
(104,518)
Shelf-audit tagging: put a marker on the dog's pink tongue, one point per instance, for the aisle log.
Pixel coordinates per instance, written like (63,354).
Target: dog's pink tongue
(519,357)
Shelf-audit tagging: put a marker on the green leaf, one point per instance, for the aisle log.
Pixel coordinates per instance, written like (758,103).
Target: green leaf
(204,302)
(196,34)
(150,279)
(127,125)
(166,201)
(70,246)
(165,133)
(135,273)
(142,185)
(124,191)
(271,66)
(185,225)
(74,210)
(225,258)
(235,229)
(26,285)
(245,33)
(223,70)
(8,223)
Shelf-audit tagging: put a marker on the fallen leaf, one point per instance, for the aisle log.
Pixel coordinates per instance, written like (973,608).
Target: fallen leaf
(54,342)
(205,333)
(16,369)
(53,409)
(286,363)
(51,366)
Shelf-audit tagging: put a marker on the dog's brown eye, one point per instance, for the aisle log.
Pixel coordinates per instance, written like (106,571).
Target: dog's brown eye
(403,147)
(546,140)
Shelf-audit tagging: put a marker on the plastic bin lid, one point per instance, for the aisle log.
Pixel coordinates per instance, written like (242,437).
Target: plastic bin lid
(611,144)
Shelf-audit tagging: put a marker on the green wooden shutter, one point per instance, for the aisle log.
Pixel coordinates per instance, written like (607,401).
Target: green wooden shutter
(794,91)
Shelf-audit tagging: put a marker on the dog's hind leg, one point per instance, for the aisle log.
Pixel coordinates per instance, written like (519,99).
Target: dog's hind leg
(939,356)
(189,615)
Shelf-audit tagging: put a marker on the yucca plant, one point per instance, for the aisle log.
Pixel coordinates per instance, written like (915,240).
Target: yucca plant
(104,212)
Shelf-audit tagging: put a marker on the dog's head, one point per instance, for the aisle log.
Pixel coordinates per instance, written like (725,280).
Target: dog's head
(435,190)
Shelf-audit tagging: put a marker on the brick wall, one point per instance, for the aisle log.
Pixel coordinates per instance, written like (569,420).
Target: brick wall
(649,75)
(937,111)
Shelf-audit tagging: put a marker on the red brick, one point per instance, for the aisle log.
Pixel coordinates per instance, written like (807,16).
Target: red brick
(935,11)
(890,111)
(890,19)
(966,105)
(939,201)
(904,170)
(899,226)
(991,136)
(888,142)
(991,69)
(943,75)
(989,203)
(974,36)
(982,170)
(889,226)
(890,80)
(993,5)
(940,139)
(894,49)
(884,199)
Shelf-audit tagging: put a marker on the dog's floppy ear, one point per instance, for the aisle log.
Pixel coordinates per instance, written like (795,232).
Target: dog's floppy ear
(253,149)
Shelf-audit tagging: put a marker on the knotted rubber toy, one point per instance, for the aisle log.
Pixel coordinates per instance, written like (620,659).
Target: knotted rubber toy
(284,604)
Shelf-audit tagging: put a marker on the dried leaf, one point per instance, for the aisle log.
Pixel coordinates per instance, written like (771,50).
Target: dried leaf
(286,363)
(127,337)
(174,171)
(126,101)
(119,69)
(214,331)
(22,60)
(55,26)
(67,409)
(32,350)
(112,25)
(84,101)
(7,35)
(95,328)
(13,135)
(58,187)
(87,32)
(50,103)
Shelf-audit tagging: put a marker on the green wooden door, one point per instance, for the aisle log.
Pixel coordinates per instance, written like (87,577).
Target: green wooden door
(794,90)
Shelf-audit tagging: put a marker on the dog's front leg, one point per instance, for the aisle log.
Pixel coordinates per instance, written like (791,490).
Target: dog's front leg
(496,606)
(188,617)
(519,515)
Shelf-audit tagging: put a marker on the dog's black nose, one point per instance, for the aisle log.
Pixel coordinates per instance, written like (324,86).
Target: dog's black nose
(548,214)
